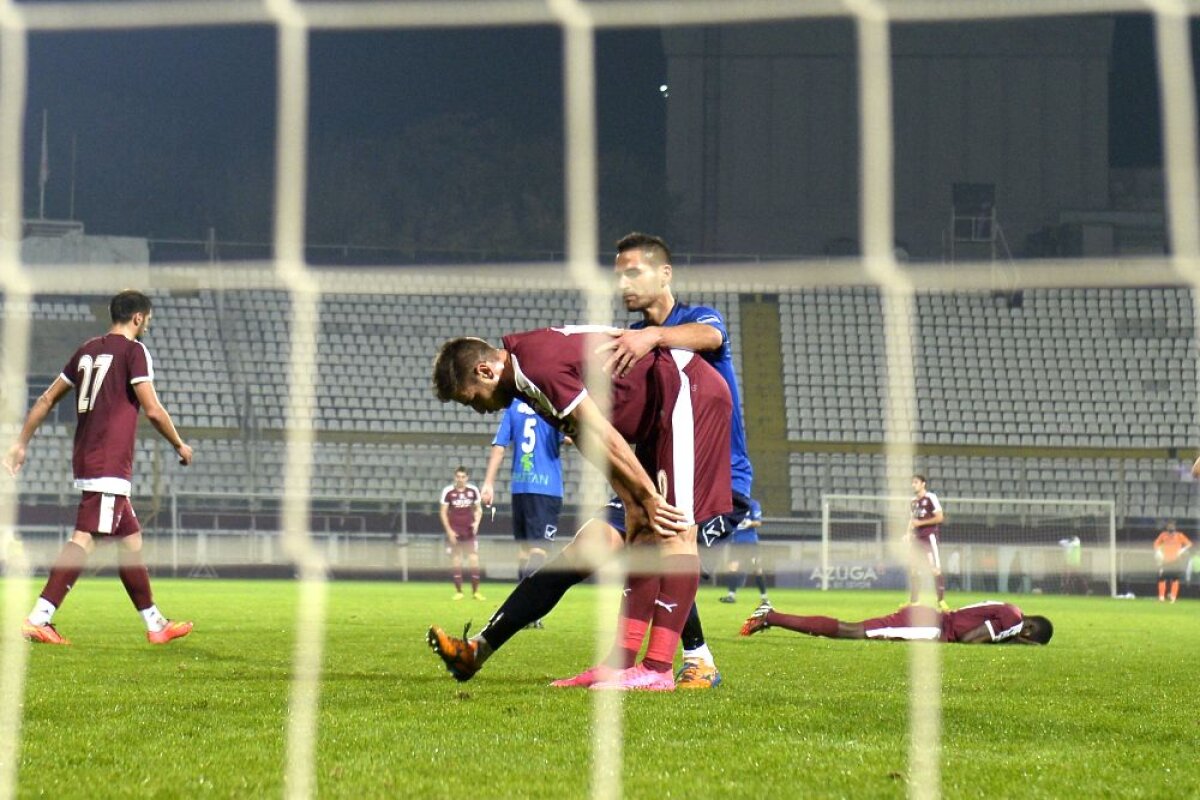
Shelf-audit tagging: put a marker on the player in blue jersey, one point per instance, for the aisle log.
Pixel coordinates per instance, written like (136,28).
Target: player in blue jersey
(644,275)
(536,486)
(643,271)
(743,547)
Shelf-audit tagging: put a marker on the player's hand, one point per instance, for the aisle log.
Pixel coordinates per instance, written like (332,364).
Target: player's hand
(627,348)
(487,494)
(15,458)
(184,451)
(452,538)
(655,515)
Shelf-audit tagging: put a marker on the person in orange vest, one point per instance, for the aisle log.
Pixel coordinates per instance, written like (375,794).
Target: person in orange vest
(1169,550)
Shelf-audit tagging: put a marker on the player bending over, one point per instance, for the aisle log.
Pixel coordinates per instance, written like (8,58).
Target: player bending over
(676,409)
(113,376)
(988,622)
(644,274)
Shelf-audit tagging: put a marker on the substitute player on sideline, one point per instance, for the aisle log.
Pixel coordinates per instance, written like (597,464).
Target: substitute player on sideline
(536,483)
(461,513)
(989,622)
(924,531)
(113,376)
(644,273)
(676,409)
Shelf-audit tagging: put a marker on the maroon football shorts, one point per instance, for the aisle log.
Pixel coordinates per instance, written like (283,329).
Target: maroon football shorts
(929,546)
(106,515)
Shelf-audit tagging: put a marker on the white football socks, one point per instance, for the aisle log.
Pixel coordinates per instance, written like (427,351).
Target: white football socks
(155,621)
(701,653)
(43,612)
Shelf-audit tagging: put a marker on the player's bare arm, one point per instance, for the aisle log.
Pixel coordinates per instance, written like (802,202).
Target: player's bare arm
(487,492)
(161,420)
(605,448)
(478,508)
(56,391)
(1196,468)
(629,346)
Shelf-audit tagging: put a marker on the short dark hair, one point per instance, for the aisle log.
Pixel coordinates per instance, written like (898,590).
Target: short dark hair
(921,478)
(1040,629)
(127,303)
(462,469)
(644,241)
(455,363)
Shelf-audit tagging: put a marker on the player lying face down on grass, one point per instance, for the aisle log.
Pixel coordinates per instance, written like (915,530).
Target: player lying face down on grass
(989,622)
(675,408)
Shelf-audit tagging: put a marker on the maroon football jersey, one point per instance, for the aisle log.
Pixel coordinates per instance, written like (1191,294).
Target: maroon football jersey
(924,508)
(104,371)
(1003,620)
(550,363)
(461,511)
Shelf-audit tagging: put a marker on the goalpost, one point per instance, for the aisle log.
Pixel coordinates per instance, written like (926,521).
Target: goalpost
(1005,545)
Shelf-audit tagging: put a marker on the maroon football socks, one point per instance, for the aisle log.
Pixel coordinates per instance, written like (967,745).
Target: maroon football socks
(813,626)
(66,570)
(676,595)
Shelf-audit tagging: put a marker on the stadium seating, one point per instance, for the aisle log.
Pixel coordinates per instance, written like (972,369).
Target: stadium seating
(1143,487)
(1062,368)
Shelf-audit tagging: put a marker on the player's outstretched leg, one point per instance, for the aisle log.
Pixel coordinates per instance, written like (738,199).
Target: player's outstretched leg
(762,619)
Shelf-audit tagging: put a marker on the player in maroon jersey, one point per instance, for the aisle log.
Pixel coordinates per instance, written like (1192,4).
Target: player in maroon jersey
(676,410)
(989,622)
(113,377)
(924,533)
(461,512)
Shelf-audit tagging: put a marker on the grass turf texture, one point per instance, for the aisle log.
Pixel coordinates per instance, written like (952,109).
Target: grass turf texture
(1107,710)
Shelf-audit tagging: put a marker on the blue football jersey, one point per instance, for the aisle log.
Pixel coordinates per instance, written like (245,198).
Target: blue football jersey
(721,360)
(537,460)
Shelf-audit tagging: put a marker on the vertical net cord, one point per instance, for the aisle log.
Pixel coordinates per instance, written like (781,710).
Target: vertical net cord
(579,87)
(1172,31)
(290,186)
(898,299)
(14,651)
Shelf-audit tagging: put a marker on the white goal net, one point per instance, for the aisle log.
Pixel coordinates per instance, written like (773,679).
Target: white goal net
(1002,544)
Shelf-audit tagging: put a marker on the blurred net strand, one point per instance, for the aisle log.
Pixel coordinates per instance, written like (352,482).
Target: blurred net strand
(602,15)
(877,268)
(581,169)
(290,203)
(877,220)
(775,276)
(14,651)
(1172,30)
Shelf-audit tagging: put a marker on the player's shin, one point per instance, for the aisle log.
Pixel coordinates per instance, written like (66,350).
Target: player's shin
(66,570)
(677,594)
(533,599)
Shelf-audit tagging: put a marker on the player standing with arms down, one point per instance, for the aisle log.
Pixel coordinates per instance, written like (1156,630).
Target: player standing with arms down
(1169,550)
(461,512)
(113,377)
(924,530)
(536,484)
(989,622)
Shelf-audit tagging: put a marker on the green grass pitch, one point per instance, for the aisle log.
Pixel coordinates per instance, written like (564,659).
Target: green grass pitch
(1108,709)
